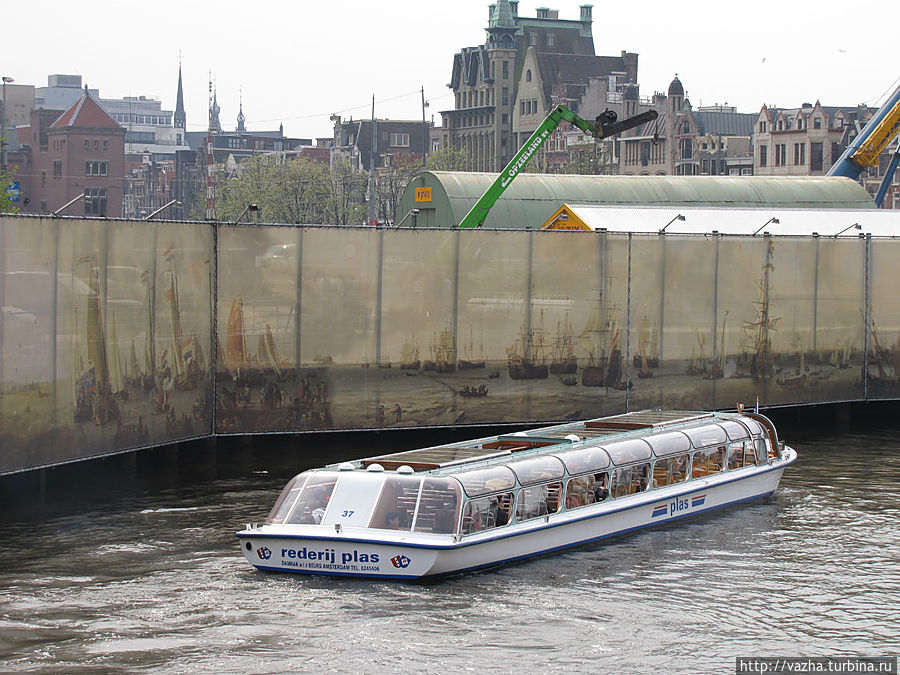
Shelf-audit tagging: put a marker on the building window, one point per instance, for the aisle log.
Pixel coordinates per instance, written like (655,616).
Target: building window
(687,148)
(551,39)
(780,154)
(528,75)
(57,168)
(763,155)
(533,39)
(762,127)
(817,123)
(400,140)
(505,67)
(799,154)
(504,96)
(816,156)
(780,125)
(43,179)
(105,144)
(95,168)
(96,144)
(95,201)
(87,144)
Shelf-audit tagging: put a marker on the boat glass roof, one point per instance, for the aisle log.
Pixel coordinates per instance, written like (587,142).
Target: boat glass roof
(735,430)
(584,460)
(487,480)
(626,452)
(711,434)
(537,469)
(669,443)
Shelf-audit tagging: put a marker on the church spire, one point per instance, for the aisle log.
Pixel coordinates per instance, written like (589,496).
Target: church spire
(180,118)
(240,118)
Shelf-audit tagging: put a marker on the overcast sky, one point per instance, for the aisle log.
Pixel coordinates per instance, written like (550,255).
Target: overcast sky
(296,63)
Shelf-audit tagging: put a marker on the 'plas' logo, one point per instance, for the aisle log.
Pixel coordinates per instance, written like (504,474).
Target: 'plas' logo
(264,553)
(400,561)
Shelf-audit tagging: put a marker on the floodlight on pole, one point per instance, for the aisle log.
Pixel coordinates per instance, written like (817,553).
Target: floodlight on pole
(678,217)
(773,219)
(161,209)
(854,226)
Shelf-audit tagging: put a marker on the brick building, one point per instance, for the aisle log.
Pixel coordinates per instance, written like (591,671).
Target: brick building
(81,152)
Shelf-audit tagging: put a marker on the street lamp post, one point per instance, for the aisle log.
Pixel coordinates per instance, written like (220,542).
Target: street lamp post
(6,80)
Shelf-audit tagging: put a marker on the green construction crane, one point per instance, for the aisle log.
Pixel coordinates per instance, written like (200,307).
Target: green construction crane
(605,125)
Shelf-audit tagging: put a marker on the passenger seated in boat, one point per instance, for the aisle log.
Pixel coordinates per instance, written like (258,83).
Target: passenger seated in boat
(600,490)
(392,520)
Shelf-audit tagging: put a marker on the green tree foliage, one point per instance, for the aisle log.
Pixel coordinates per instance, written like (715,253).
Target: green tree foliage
(6,179)
(447,159)
(390,182)
(297,191)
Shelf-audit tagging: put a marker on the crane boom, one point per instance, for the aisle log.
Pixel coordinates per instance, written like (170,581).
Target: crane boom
(605,125)
(863,152)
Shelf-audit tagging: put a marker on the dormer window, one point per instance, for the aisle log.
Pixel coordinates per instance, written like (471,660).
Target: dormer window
(533,39)
(817,122)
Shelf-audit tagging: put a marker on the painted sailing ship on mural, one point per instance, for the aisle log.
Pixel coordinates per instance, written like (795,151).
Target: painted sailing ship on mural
(601,338)
(470,360)
(443,354)
(93,395)
(762,362)
(525,358)
(409,355)
(562,352)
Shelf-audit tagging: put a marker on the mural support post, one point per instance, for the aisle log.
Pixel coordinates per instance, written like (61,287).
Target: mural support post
(662,298)
(628,326)
(54,301)
(868,315)
(214,322)
(815,308)
(298,302)
(379,293)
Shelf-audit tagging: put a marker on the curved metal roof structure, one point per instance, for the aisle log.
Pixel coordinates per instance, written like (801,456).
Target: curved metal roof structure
(442,198)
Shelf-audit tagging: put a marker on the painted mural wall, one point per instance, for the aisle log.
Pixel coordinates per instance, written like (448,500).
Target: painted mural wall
(105,337)
(322,328)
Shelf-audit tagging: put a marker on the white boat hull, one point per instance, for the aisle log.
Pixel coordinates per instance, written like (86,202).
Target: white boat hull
(304,549)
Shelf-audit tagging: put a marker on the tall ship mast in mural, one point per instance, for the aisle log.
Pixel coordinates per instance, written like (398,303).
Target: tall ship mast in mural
(762,363)
(526,358)
(470,361)
(443,354)
(409,355)
(562,353)
(604,366)
(235,345)
(93,393)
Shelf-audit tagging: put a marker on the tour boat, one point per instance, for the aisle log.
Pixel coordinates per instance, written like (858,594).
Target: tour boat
(470,505)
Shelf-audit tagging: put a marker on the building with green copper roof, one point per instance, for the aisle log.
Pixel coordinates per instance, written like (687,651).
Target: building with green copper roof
(442,198)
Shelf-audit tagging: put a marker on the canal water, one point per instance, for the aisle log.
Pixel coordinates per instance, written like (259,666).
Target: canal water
(131,564)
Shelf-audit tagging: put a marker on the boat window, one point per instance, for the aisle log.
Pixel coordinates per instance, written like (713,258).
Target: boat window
(313,499)
(708,461)
(586,490)
(538,500)
(670,470)
(584,460)
(711,434)
(754,426)
(397,503)
(628,480)
(483,481)
(671,443)
(626,452)
(486,513)
(735,430)
(286,499)
(537,469)
(438,506)
(740,454)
